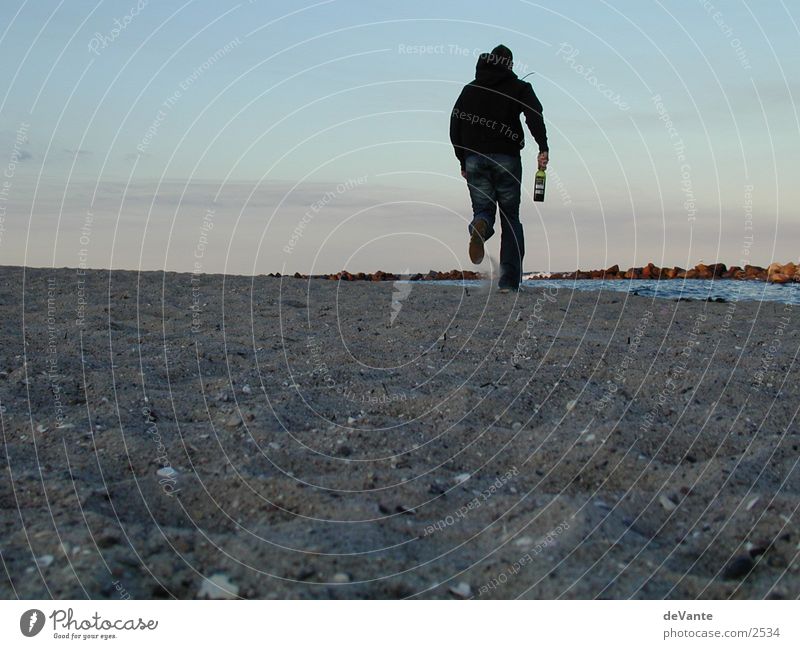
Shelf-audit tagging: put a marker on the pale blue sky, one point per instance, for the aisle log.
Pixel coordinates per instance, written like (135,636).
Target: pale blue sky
(293,98)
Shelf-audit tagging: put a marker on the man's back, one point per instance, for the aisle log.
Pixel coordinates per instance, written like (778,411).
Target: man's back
(485,118)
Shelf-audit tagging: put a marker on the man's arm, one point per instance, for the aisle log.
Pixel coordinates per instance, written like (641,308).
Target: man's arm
(455,133)
(532,109)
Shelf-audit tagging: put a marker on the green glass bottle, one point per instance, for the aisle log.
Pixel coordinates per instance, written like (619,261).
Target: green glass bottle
(538,186)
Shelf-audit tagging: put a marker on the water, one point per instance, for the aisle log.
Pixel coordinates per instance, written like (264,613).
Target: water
(673,289)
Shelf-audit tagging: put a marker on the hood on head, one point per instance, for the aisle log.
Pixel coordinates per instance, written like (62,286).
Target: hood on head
(492,69)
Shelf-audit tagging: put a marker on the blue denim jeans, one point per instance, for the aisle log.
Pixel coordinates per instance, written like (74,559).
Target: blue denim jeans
(494,181)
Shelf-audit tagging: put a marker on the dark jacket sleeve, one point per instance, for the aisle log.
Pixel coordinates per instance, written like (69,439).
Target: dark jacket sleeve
(532,109)
(455,132)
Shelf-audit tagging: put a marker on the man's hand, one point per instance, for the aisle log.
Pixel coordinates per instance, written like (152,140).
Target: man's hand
(544,158)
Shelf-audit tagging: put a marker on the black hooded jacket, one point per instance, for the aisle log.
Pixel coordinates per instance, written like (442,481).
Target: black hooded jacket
(485,118)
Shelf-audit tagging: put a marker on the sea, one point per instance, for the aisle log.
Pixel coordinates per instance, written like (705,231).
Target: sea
(720,290)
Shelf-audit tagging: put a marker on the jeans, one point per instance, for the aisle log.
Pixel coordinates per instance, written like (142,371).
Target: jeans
(494,180)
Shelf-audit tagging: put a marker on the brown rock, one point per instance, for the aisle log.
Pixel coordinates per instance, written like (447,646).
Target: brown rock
(755,272)
(718,270)
(651,271)
(779,278)
(773,268)
(702,272)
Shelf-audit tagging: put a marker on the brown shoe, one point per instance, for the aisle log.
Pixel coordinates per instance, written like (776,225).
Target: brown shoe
(476,242)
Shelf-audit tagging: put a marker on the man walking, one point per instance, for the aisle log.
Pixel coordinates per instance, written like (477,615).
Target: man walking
(487,136)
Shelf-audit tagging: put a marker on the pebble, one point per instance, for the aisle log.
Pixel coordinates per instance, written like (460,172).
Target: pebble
(516,425)
(44,561)
(246,389)
(571,404)
(461,477)
(233,421)
(108,539)
(739,568)
(437,487)
(341,578)
(218,586)
(166,472)
(275,446)
(666,503)
(462,589)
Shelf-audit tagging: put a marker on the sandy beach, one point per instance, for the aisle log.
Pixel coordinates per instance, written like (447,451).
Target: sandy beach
(172,435)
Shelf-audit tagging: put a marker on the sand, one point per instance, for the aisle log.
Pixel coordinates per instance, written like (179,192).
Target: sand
(170,435)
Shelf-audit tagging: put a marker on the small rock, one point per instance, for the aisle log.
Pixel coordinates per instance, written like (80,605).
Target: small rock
(167,472)
(108,539)
(516,426)
(306,573)
(752,503)
(437,487)
(246,389)
(571,404)
(462,589)
(233,421)
(41,428)
(44,561)
(739,568)
(275,446)
(218,586)
(351,420)
(341,578)
(461,477)
(524,541)
(666,503)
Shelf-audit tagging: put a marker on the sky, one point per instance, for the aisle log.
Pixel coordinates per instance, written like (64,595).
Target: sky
(311,137)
